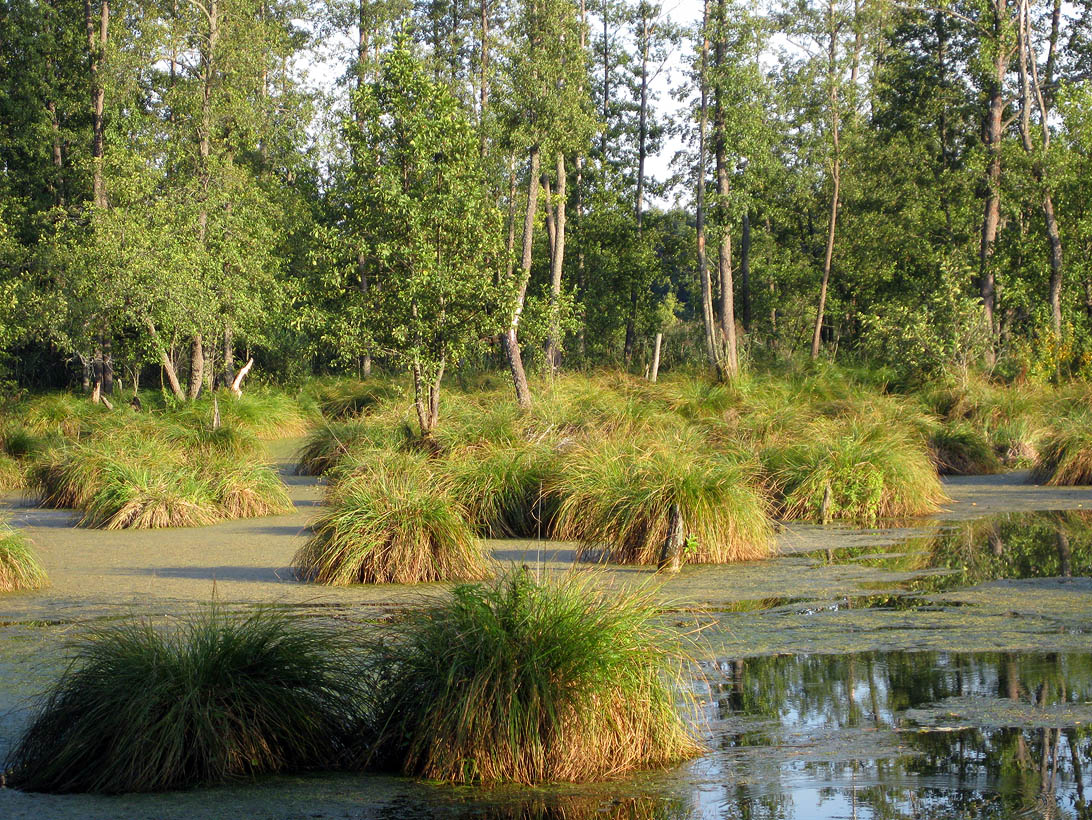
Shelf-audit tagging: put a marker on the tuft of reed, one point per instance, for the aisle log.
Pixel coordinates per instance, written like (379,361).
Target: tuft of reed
(1065,451)
(220,441)
(958,448)
(621,495)
(140,497)
(12,474)
(211,699)
(19,567)
(529,681)
(395,521)
(245,489)
(858,471)
(327,445)
(341,399)
(501,487)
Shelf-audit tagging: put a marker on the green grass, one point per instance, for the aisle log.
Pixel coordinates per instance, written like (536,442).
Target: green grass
(529,682)
(856,471)
(145,498)
(331,442)
(211,699)
(1065,451)
(619,495)
(12,474)
(501,487)
(19,567)
(340,399)
(958,448)
(245,489)
(395,521)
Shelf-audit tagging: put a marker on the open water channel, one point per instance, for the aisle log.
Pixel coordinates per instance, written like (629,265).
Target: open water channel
(933,669)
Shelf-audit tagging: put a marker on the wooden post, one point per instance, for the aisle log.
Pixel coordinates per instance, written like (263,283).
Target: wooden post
(656,358)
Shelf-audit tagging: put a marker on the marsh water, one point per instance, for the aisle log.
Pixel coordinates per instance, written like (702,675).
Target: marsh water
(938,668)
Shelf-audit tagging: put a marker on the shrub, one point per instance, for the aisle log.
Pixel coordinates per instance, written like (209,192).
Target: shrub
(1065,452)
(209,700)
(623,496)
(857,472)
(19,568)
(527,682)
(393,522)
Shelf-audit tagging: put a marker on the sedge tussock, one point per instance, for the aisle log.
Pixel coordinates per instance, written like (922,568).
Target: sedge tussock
(529,682)
(395,521)
(210,699)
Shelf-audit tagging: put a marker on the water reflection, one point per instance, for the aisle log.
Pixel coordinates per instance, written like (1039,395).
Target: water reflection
(893,735)
(1011,546)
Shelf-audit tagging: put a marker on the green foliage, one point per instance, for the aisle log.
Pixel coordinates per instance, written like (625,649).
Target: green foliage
(961,449)
(393,521)
(207,700)
(19,566)
(529,681)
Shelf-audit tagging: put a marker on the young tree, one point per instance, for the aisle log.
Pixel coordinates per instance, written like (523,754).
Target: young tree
(425,224)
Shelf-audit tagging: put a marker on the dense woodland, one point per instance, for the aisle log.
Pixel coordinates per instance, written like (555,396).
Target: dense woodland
(896,183)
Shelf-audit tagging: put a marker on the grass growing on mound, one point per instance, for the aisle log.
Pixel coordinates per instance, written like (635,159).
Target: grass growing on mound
(960,449)
(245,489)
(19,567)
(858,472)
(620,495)
(1065,452)
(144,498)
(348,398)
(211,699)
(393,522)
(529,682)
(12,475)
(501,487)
(329,444)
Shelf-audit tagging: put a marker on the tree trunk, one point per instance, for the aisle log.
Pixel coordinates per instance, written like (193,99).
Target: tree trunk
(727,319)
(483,145)
(96,48)
(197,366)
(511,335)
(557,263)
(991,216)
(836,179)
(165,361)
(426,399)
(703,262)
(745,270)
(671,552)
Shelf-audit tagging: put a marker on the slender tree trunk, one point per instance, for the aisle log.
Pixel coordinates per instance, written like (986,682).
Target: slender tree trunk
(511,335)
(364,365)
(727,319)
(426,399)
(483,99)
(703,262)
(836,180)
(636,284)
(511,219)
(745,270)
(557,263)
(96,48)
(197,366)
(991,216)
(58,156)
(165,362)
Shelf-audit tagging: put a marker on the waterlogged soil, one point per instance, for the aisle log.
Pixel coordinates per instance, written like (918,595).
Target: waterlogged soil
(933,668)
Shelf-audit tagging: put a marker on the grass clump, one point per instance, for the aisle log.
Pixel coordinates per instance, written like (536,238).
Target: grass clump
(1065,451)
(625,497)
(208,700)
(12,475)
(501,487)
(139,497)
(394,521)
(529,682)
(329,444)
(19,567)
(341,399)
(856,472)
(959,448)
(245,489)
